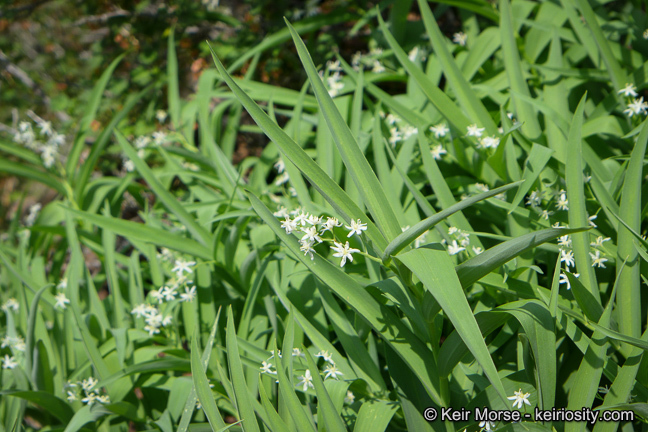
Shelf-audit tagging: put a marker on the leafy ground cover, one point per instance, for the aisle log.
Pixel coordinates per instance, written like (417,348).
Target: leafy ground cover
(436,220)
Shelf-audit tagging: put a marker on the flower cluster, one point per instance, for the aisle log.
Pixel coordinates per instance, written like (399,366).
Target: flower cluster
(49,148)
(334,80)
(636,106)
(399,129)
(360,61)
(306,380)
(10,304)
(86,391)
(312,227)
(460,241)
(15,343)
(155,315)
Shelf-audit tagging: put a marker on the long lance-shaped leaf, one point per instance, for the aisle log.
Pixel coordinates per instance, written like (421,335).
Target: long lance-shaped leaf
(331,419)
(512,64)
(576,196)
(432,265)
(33,173)
(465,95)
(357,166)
(535,163)
(97,148)
(394,332)
(91,111)
(331,190)
(617,75)
(31,328)
(439,99)
(173,91)
(587,378)
(243,399)
(169,201)
(477,267)
(629,299)
(407,237)
(621,388)
(201,385)
(145,233)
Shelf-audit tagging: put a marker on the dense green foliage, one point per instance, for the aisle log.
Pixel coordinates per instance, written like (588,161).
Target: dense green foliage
(449,216)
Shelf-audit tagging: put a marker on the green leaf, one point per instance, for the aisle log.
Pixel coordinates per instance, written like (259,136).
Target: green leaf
(331,190)
(90,114)
(243,398)
(87,414)
(357,166)
(374,416)
(173,91)
(169,201)
(32,173)
(436,271)
(535,163)
(576,197)
(513,67)
(297,411)
(326,410)
(475,268)
(466,97)
(630,211)
(436,96)
(53,405)
(146,233)
(382,319)
(202,385)
(409,235)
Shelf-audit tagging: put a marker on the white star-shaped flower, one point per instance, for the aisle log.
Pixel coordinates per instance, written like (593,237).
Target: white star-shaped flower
(475,131)
(330,224)
(350,397)
(289,225)
(306,380)
(454,248)
(189,295)
(563,202)
(460,38)
(343,251)
(597,259)
(520,398)
(267,368)
(567,257)
(8,362)
(437,151)
(356,227)
(182,266)
(310,235)
(332,371)
(61,300)
(637,106)
(439,130)
(628,90)
(307,248)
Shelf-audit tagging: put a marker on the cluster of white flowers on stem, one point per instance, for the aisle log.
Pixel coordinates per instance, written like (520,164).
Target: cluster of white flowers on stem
(159,313)
(86,391)
(634,107)
(460,240)
(482,142)
(45,141)
(10,304)
(311,227)
(334,79)
(306,380)
(399,130)
(360,61)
